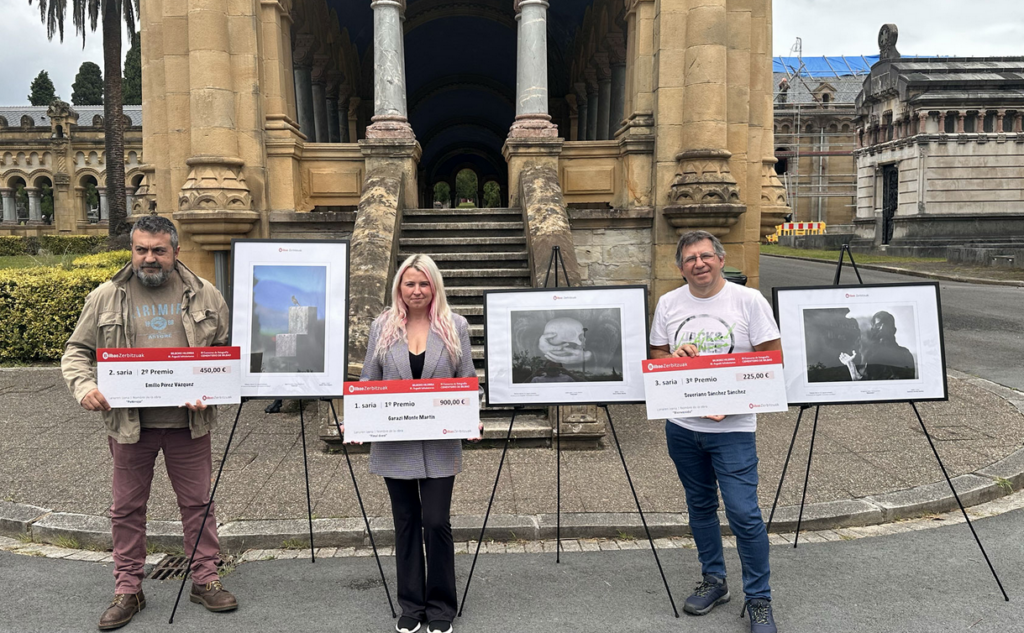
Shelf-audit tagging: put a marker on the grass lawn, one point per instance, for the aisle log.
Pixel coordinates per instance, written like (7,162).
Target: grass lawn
(32,261)
(936,265)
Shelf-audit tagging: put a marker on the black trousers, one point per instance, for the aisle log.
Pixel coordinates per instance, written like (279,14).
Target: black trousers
(422,512)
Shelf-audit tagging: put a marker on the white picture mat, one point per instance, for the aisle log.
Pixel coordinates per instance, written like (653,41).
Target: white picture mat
(919,330)
(631,303)
(247,255)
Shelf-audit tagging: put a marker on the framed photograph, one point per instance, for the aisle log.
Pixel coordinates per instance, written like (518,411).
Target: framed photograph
(289,316)
(547,346)
(857,344)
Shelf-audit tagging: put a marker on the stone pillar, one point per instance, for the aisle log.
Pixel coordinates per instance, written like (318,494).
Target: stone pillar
(604,95)
(343,120)
(319,76)
(304,101)
(104,205)
(390,114)
(1000,117)
(942,122)
(961,120)
(532,118)
(129,195)
(1018,125)
(618,99)
(7,195)
(922,122)
(35,213)
(333,130)
(593,103)
(582,109)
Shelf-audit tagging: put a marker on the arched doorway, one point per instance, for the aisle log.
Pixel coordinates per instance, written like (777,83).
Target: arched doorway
(44,186)
(89,196)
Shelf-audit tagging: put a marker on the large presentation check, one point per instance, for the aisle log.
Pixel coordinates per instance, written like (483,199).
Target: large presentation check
(396,410)
(168,376)
(722,384)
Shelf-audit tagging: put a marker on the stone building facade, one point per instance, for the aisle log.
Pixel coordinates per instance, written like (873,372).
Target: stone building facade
(636,119)
(58,151)
(940,158)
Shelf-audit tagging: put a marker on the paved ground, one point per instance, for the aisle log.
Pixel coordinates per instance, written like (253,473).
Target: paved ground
(55,456)
(915,581)
(983,325)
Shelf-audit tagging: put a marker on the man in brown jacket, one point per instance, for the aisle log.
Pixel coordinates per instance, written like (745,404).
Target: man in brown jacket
(155,301)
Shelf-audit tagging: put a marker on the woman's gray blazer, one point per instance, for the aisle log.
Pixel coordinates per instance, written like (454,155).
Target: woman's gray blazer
(417,459)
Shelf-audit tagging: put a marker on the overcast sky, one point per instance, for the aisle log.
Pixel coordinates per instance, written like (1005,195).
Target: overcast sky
(827,27)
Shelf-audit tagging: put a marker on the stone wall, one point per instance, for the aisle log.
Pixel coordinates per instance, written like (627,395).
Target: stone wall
(611,257)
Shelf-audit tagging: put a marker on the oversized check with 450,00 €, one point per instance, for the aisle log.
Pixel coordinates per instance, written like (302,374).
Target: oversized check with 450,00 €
(168,376)
(720,384)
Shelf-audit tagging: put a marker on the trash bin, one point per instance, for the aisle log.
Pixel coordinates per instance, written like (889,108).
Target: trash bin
(735,275)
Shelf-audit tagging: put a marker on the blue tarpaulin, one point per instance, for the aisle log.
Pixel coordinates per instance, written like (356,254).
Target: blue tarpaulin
(825,66)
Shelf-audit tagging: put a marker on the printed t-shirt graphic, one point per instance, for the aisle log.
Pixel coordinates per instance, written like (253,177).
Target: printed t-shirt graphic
(711,334)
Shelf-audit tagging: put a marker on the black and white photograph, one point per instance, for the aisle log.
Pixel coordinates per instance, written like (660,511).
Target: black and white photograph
(567,345)
(878,343)
(578,345)
(290,317)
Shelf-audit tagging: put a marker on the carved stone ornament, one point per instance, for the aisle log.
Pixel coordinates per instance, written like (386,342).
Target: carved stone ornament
(887,37)
(215,205)
(704,178)
(144,200)
(61,110)
(705,193)
(533,126)
(774,206)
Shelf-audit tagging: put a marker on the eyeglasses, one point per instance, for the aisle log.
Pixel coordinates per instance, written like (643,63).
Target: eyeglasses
(707,258)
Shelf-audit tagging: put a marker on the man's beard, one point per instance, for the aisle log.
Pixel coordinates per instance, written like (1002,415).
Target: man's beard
(152,280)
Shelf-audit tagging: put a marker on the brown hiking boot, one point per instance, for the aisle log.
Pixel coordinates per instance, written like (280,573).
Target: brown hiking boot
(213,596)
(121,610)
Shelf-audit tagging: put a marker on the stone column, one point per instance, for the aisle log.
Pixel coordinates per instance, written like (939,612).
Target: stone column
(582,111)
(922,122)
(532,118)
(343,119)
(942,122)
(390,114)
(319,76)
(1018,123)
(604,95)
(7,195)
(35,212)
(618,103)
(303,71)
(104,205)
(333,129)
(129,198)
(593,103)
(961,120)
(1000,117)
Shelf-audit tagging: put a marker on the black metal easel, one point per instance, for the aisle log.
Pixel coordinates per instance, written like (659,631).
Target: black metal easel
(814,430)
(309,504)
(555,262)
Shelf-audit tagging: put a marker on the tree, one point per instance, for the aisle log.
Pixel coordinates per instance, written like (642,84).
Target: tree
(42,90)
(88,87)
(46,200)
(132,82)
(87,15)
(465,185)
(492,194)
(442,193)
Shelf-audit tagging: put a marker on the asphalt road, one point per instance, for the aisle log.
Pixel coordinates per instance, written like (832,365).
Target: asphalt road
(914,582)
(983,324)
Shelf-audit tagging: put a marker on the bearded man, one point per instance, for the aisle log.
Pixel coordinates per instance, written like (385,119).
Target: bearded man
(154,301)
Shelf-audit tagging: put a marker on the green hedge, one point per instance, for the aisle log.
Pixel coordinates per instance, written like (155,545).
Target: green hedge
(71,244)
(110,259)
(39,308)
(12,245)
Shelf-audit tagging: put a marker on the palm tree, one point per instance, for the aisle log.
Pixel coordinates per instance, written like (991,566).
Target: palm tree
(86,15)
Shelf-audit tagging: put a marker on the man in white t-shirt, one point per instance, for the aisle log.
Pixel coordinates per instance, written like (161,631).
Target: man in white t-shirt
(712,316)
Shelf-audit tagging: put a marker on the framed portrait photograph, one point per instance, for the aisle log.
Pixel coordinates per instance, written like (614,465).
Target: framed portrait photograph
(579,345)
(289,316)
(859,344)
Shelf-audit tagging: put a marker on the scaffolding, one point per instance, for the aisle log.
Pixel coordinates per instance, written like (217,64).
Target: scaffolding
(814,98)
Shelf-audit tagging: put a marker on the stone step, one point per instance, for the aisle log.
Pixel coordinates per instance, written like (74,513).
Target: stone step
(462,212)
(462,244)
(474,227)
(526,427)
(475,291)
(484,272)
(451,260)
(470,310)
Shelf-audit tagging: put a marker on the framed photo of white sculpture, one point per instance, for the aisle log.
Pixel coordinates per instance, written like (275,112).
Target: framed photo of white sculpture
(548,346)
(861,344)
(289,316)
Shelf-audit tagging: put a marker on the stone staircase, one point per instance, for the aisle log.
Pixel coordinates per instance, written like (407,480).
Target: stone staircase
(477,250)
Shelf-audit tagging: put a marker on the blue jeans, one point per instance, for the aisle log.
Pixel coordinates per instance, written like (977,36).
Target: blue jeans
(706,462)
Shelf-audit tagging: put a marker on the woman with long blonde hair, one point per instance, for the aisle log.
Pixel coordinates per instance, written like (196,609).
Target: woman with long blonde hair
(418,336)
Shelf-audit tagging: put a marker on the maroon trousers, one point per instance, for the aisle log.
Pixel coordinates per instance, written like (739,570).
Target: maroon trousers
(189,467)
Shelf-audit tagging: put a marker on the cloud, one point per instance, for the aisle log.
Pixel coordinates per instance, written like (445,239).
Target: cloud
(26,51)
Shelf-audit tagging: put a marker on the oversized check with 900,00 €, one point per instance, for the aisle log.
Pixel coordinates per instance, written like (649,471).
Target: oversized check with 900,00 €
(429,409)
(168,376)
(720,384)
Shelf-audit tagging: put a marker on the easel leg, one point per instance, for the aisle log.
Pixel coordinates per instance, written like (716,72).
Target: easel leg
(558,484)
(807,476)
(958,502)
(206,514)
(639,510)
(785,466)
(479,541)
(362,509)
(305,467)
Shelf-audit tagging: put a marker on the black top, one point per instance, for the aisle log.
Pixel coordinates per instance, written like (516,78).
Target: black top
(416,364)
